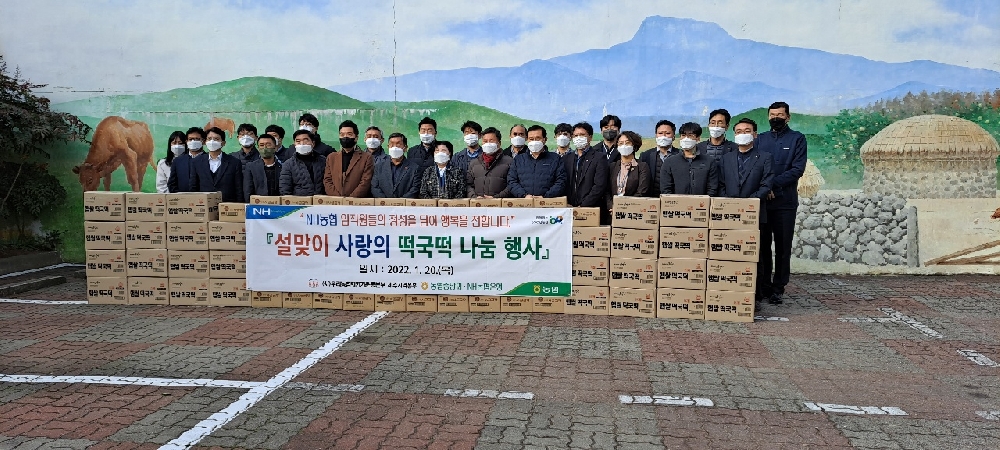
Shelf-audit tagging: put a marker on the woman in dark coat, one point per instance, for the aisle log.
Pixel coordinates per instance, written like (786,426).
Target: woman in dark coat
(628,177)
(442,180)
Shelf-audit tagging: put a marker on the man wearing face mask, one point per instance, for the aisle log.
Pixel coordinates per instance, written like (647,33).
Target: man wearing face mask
(539,173)
(180,168)
(373,142)
(423,152)
(310,123)
(691,172)
(654,157)
(486,176)
(302,174)
(610,127)
(472,150)
(586,172)
(247,135)
(217,171)
(518,137)
(564,135)
(396,176)
(717,144)
(349,172)
(789,152)
(278,133)
(261,176)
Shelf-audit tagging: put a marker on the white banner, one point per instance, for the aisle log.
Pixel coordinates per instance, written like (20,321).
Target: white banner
(410,250)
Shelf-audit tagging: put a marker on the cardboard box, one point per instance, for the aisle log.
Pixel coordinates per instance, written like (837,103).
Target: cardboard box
(586,217)
(636,212)
(589,300)
(187,235)
(422,202)
(229,292)
(421,303)
(265,199)
(590,270)
(189,291)
(267,299)
(227,264)
(727,306)
(104,206)
(513,202)
(359,302)
(681,273)
(188,263)
(297,300)
(680,304)
(104,235)
(233,212)
(485,202)
(299,200)
(325,200)
(516,304)
(353,201)
(551,305)
(390,202)
(453,303)
(107,290)
(106,263)
(325,300)
(684,210)
(484,303)
(734,213)
(146,262)
(453,202)
(554,202)
(193,206)
(227,236)
(739,276)
(148,291)
(632,303)
(632,273)
(390,302)
(683,242)
(145,207)
(592,241)
(145,234)
(734,245)
(629,243)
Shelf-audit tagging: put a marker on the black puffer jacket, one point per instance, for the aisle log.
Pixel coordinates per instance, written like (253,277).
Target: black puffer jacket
(302,175)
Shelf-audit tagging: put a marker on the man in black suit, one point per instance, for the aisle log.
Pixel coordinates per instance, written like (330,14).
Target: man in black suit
(217,171)
(654,157)
(746,173)
(396,176)
(691,172)
(611,125)
(260,176)
(586,172)
(181,168)
(310,123)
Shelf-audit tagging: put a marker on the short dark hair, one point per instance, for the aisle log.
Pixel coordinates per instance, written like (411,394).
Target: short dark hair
(491,130)
(298,133)
(634,138)
(246,127)
(538,128)
(276,129)
(667,123)
(470,124)
(217,131)
(724,113)
(563,127)
(349,124)
(398,135)
(373,127)
(690,127)
(777,105)
(747,120)
(201,132)
(311,119)
(170,141)
(428,121)
(451,148)
(606,120)
(519,125)
(267,136)
(586,127)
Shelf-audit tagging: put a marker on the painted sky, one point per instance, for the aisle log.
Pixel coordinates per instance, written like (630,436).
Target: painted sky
(89,47)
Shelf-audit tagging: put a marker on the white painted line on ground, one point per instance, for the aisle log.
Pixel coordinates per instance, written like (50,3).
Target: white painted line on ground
(848,409)
(868,319)
(770,319)
(132,381)
(43,302)
(206,427)
(913,323)
(487,393)
(25,272)
(326,387)
(978,358)
(989,415)
(667,400)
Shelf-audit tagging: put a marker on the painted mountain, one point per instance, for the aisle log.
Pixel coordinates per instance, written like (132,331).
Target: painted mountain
(680,68)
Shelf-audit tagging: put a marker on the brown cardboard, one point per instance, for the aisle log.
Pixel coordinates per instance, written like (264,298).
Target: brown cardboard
(453,303)
(680,304)
(148,291)
(681,273)
(229,292)
(145,207)
(485,202)
(190,292)
(586,217)
(555,202)
(514,202)
(187,263)
(267,299)
(592,241)
(145,234)
(265,199)
(727,306)
(734,213)
(390,302)
(421,303)
(484,303)
(297,300)
(107,290)
(325,200)
(516,304)
(193,206)
(352,201)
(187,236)
(106,263)
(298,200)
(104,235)
(104,206)
(422,202)
(146,262)
(390,202)
(590,270)
(589,300)
(325,300)
(632,273)
(227,264)
(632,302)
(629,243)
(737,276)
(233,212)
(690,211)
(227,236)
(734,245)
(359,302)
(453,202)
(550,305)
(636,212)
(683,242)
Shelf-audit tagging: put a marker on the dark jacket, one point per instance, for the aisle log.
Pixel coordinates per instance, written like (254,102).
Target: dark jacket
(227,179)
(755,183)
(698,176)
(705,148)
(246,157)
(302,175)
(180,173)
(284,153)
(610,153)
(636,185)
(378,154)
(422,156)
(462,159)
(507,151)
(255,179)
(789,150)
(545,176)
(321,148)
(589,186)
(652,159)
(489,181)
(454,183)
(407,184)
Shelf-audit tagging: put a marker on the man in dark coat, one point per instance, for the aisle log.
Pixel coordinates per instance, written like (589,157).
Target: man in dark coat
(217,171)
(690,173)
(655,156)
(302,174)
(260,176)
(396,176)
(180,167)
(537,173)
(586,172)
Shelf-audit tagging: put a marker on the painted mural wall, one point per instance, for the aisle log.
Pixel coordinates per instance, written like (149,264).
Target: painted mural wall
(900,101)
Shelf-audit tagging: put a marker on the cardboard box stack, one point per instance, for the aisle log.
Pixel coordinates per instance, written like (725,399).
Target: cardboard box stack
(633,265)
(591,264)
(683,255)
(733,251)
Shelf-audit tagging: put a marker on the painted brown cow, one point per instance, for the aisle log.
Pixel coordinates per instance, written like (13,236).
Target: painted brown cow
(224,124)
(117,142)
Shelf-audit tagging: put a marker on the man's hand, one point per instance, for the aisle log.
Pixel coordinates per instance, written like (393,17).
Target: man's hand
(770,195)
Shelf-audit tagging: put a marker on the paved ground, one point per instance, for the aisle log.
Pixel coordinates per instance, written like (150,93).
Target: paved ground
(863,362)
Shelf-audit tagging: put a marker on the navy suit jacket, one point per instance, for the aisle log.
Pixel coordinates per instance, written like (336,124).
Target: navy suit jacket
(790,153)
(228,179)
(407,183)
(180,173)
(755,183)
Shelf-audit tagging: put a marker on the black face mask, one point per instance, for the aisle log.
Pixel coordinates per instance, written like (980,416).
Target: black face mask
(610,135)
(777,123)
(348,142)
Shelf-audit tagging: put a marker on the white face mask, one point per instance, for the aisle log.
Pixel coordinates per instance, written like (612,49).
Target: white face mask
(395,152)
(535,146)
(373,142)
(743,139)
(213,146)
(562,140)
(426,138)
(581,142)
(246,140)
(625,150)
(177,149)
(490,147)
(194,145)
(471,139)
(517,141)
(664,141)
(716,132)
(441,158)
(303,149)
(308,128)
(688,143)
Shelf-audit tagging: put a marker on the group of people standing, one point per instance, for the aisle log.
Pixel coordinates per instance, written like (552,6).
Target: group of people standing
(765,166)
